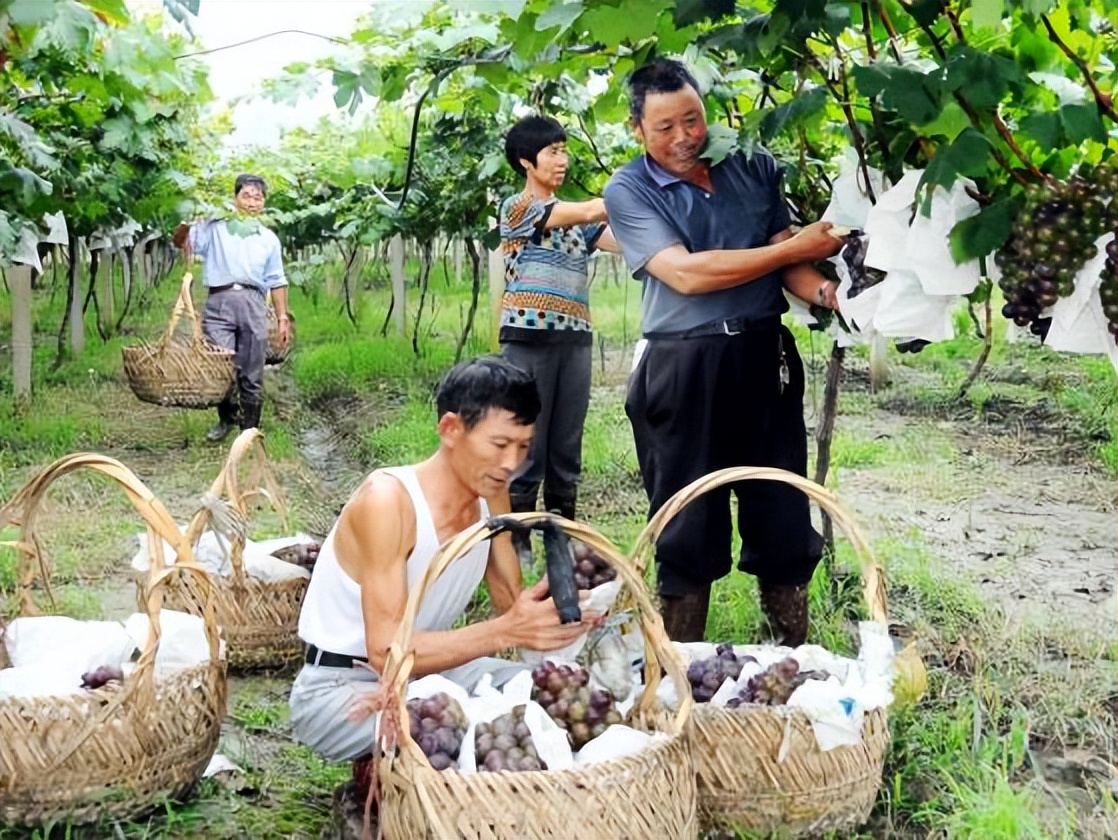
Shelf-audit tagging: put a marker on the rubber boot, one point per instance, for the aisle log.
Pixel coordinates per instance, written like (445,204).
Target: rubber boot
(563,504)
(523,503)
(685,617)
(786,609)
(226,420)
(250,416)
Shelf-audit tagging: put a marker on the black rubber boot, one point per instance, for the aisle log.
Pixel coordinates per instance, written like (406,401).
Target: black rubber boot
(226,420)
(786,609)
(250,416)
(523,503)
(563,504)
(685,617)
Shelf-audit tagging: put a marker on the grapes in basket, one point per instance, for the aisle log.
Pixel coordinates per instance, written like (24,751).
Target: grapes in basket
(590,569)
(707,675)
(774,685)
(437,726)
(506,744)
(564,692)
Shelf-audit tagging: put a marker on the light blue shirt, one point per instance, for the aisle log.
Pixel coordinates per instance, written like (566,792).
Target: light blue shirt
(253,260)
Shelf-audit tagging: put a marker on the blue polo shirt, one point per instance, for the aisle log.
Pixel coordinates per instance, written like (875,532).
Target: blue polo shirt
(650,209)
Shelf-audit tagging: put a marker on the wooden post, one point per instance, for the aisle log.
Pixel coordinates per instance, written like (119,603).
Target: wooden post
(879,362)
(399,299)
(77,320)
(19,279)
(496,289)
(456,245)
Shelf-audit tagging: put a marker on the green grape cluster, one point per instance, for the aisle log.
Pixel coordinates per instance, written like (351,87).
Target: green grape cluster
(565,694)
(707,675)
(774,685)
(437,726)
(506,744)
(1051,240)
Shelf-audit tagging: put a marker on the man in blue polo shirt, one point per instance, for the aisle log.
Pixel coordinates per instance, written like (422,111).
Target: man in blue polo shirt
(239,269)
(719,383)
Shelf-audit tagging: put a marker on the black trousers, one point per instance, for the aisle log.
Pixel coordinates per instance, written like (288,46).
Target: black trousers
(702,404)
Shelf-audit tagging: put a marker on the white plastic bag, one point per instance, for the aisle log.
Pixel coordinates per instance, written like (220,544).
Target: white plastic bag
(618,741)
(927,251)
(836,717)
(263,566)
(182,641)
(850,203)
(904,310)
(597,600)
(887,223)
(39,681)
(67,645)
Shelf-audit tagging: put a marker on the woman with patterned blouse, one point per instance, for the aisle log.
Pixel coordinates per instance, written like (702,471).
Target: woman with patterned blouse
(545,311)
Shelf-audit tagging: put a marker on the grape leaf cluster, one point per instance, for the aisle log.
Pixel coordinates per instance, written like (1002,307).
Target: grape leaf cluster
(1052,239)
(707,675)
(437,726)
(1108,288)
(565,694)
(774,685)
(590,569)
(506,744)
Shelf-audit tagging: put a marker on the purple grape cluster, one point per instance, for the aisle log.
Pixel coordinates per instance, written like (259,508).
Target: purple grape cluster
(1108,287)
(506,744)
(774,685)
(707,675)
(437,726)
(590,569)
(565,694)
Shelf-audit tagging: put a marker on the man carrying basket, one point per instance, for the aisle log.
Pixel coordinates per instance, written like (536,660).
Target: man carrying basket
(240,268)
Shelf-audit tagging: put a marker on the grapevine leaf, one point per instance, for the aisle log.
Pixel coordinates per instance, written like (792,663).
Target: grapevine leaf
(967,155)
(793,113)
(1045,128)
(925,12)
(912,94)
(722,141)
(561,14)
(1081,122)
(985,78)
(688,12)
(982,234)
(986,14)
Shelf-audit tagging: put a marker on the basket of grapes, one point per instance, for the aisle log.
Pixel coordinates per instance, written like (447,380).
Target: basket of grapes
(759,763)
(519,787)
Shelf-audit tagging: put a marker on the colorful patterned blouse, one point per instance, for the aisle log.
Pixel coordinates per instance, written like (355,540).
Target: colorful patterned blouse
(546,297)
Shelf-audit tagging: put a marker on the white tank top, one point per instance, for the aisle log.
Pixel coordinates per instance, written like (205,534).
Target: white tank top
(331,618)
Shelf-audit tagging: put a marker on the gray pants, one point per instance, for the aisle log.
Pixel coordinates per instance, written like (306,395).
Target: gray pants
(321,699)
(236,320)
(562,374)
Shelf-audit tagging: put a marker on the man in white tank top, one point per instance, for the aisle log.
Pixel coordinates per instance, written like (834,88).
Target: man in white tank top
(385,538)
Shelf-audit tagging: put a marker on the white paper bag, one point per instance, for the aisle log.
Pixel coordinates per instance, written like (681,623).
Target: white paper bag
(904,310)
(618,741)
(597,600)
(927,250)
(39,681)
(66,644)
(182,640)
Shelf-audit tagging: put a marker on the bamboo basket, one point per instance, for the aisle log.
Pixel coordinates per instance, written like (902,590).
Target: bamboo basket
(259,619)
(759,767)
(117,751)
(190,373)
(275,353)
(651,794)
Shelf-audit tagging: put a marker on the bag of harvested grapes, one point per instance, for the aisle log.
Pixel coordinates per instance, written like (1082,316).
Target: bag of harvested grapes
(437,718)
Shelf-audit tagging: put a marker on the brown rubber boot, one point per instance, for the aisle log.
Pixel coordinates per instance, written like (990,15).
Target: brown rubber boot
(786,609)
(685,617)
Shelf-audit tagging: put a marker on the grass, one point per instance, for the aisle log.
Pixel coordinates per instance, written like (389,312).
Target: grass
(964,762)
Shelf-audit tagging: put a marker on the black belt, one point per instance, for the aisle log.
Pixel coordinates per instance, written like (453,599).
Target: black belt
(326,659)
(729,326)
(213,290)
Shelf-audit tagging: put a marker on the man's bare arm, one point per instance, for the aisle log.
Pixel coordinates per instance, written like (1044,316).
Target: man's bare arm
(709,271)
(803,281)
(502,575)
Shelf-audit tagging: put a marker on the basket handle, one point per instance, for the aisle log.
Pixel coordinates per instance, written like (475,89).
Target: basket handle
(873,578)
(25,505)
(183,304)
(658,649)
(226,485)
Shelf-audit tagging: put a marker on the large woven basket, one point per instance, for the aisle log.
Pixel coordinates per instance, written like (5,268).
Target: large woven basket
(259,619)
(648,795)
(120,750)
(187,373)
(760,767)
(276,353)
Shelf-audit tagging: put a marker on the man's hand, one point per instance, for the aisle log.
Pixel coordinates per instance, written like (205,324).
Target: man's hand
(533,622)
(827,295)
(813,242)
(283,325)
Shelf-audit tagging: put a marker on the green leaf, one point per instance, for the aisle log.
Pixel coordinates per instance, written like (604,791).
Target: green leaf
(983,77)
(502,8)
(925,12)
(695,11)
(986,14)
(1044,127)
(950,122)
(1036,8)
(619,25)
(793,113)
(23,182)
(1081,122)
(982,234)
(722,141)
(31,12)
(112,11)
(561,14)
(914,95)
(967,155)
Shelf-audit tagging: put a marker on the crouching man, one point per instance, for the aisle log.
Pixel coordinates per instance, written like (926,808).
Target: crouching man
(385,538)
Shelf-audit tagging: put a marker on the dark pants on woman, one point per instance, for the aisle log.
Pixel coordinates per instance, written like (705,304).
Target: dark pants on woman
(562,375)
(702,404)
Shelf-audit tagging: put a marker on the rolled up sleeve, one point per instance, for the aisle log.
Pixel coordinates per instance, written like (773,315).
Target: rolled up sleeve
(274,278)
(640,229)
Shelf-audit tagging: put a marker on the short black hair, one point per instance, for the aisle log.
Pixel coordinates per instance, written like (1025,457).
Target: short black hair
(246,180)
(530,135)
(471,388)
(661,75)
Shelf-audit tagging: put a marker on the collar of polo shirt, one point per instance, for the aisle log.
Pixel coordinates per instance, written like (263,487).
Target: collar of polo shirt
(659,174)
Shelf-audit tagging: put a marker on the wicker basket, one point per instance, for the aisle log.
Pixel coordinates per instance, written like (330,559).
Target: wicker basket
(276,353)
(759,767)
(651,794)
(259,619)
(121,750)
(189,373)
